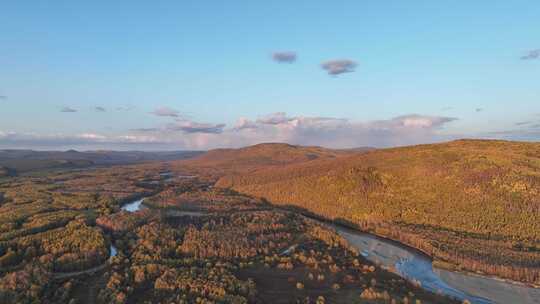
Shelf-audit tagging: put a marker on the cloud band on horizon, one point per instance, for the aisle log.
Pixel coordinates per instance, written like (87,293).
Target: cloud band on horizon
(277,127)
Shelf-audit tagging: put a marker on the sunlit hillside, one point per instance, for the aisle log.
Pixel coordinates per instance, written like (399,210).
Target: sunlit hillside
(469,203)
(226,161)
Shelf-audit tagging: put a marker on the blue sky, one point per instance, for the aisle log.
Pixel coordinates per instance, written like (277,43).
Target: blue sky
(212,63)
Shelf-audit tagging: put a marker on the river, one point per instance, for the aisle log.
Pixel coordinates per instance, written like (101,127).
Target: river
(417,267)
(132,206)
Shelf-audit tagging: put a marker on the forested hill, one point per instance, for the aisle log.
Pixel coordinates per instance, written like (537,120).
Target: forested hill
(226,161)
(471,203)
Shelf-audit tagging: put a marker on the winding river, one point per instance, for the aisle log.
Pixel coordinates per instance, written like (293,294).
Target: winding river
(132,206)
(417,267)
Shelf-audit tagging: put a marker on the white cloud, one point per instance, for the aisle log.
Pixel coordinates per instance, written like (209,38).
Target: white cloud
(166,111)
(59,141)
(420,121)
(244,123)
(274,118)
(336,132)
(276,127)
(92,136)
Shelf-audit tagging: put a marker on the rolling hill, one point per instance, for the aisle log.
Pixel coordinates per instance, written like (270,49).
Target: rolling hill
(471,204)
(226,161)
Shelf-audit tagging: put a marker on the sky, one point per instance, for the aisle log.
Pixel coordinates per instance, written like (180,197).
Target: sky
(183,75)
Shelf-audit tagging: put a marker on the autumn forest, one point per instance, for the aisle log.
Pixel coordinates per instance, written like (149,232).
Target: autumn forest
(257,224)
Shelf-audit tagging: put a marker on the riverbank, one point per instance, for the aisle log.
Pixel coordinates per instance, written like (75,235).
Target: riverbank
(401,242)
(463,285)
(406,261)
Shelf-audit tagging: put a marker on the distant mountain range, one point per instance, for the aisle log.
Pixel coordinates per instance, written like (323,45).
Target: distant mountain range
(14,162)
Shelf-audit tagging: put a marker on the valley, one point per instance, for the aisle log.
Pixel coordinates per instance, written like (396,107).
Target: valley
(207,230)
(55,246)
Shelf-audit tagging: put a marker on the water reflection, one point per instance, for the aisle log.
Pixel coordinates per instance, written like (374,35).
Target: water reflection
(114,252)
(415,267)
(133,206)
